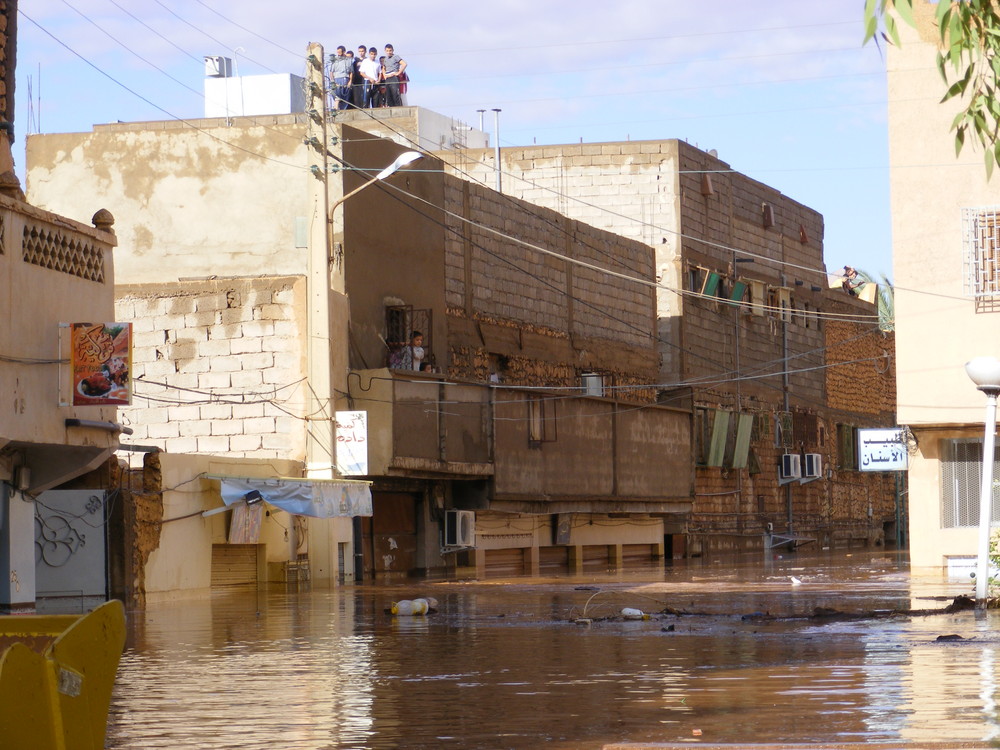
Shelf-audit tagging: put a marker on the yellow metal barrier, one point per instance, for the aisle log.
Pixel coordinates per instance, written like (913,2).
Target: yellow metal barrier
(56,677)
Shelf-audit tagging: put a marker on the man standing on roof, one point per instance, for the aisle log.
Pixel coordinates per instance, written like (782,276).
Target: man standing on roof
(371,72)
(392,68)
(341,68)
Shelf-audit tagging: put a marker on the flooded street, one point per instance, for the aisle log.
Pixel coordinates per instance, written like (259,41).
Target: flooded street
(503,664)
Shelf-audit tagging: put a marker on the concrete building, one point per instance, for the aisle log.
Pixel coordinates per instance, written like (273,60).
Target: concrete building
(540,422)
(597,399)
(53,271)
(751,336)
(944,214)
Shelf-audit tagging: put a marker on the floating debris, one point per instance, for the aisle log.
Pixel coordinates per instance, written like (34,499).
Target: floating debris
(407,607)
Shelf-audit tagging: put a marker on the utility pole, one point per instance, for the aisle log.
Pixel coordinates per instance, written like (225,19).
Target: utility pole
(496,135)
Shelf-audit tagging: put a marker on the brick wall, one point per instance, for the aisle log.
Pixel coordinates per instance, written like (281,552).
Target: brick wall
(554,319)
(218,366)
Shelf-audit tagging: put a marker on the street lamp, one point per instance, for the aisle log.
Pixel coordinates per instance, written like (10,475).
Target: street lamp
(985,373)
(407,157)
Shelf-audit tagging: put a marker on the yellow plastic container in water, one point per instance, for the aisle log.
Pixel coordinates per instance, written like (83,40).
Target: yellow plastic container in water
(56,677)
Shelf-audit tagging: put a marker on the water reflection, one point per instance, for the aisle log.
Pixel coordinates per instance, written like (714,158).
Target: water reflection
(501,665)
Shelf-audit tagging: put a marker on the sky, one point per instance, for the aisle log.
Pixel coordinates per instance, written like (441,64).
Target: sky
(782,90)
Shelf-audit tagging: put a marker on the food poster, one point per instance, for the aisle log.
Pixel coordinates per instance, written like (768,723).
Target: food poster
(101,361)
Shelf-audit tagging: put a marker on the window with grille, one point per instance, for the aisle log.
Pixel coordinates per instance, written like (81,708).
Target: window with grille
(400,323)
(961,475)
(981,237)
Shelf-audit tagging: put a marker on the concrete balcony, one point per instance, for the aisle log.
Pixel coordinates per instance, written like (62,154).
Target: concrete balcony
(542,451)
(422,425)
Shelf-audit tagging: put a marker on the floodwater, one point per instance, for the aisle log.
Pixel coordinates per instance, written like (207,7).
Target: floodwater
(504,664)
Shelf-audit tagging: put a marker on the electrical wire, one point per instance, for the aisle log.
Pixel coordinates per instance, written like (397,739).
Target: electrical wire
(209,36)
(153,104)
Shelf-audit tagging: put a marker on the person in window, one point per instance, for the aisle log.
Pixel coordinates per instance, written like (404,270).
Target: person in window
(416,349)
(411,356)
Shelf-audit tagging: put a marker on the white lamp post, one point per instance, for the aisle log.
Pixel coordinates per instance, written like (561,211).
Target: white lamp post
(985,373)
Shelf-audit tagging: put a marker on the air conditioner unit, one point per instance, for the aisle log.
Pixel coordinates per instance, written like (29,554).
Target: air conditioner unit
(814,466)
(459,528)
(791,466)
(593,383)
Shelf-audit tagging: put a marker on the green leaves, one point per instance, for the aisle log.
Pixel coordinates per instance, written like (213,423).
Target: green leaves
(968,61)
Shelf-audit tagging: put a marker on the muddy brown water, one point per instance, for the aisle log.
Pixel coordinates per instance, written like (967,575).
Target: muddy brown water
(503,664)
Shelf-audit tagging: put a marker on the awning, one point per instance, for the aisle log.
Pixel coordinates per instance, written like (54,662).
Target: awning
(318,498)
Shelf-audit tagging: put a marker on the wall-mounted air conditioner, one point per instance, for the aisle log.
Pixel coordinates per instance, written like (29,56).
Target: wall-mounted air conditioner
(593,383)
(791,466)
(459,528)
(813,468)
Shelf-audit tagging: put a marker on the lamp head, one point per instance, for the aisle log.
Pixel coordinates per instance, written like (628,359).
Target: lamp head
(407,157)
(985,373)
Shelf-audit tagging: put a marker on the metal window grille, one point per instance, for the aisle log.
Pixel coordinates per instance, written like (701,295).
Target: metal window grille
(981,238)
(400,323)
(961,475)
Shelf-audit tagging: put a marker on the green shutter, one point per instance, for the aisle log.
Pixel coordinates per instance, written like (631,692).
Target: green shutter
(720,430)
(739,289)
(711,284)
(743,430)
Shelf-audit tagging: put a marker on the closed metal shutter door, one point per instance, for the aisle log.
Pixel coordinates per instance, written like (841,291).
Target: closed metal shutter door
(505,562)
(638,555)
(234,564)
(553,559)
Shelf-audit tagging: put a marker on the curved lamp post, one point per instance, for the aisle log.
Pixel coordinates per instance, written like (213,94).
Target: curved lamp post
(407,157)
(985,373)
(321,449)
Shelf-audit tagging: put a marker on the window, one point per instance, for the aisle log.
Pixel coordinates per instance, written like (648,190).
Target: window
(804,428)
(541,421)
(596,384)
(961,475)
(847,439)
(702,434)
(981,237)
(400,323)
(781,304)
(783,429)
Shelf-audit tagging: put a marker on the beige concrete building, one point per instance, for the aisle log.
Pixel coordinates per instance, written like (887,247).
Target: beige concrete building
(944,213)
(53,272)
(232,274)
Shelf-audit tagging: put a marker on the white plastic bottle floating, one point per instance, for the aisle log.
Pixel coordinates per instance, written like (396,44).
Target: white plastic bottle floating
(630,613)
(411,606)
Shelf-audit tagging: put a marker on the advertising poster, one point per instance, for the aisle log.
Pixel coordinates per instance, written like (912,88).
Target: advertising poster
(101,361)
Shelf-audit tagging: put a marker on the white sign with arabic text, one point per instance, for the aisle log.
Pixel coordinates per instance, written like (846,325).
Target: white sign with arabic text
(882,450)
(352,443)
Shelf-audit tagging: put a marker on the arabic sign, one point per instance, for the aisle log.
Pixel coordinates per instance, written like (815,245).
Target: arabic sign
(352,443)
(882,450)
(101,361)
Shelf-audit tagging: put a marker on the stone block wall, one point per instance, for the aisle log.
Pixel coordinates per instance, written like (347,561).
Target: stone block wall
(625,188)
(554,319)
(217,366)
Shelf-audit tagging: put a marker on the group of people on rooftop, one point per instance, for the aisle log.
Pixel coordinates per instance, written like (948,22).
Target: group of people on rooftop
(367,80)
